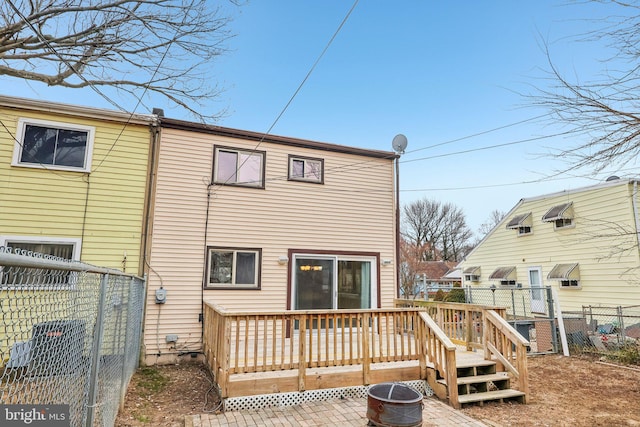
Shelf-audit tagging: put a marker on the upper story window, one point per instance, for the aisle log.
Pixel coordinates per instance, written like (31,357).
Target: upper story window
(233,166)
(306,169)
(561,215)
(53,145)
(234,268)
(523,223)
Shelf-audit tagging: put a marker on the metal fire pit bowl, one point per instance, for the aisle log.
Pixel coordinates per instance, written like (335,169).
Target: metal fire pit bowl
(394,405)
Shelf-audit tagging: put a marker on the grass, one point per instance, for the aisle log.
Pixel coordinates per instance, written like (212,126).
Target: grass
(152,381)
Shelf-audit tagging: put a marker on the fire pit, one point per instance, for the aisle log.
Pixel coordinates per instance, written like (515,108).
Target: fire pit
(394,405)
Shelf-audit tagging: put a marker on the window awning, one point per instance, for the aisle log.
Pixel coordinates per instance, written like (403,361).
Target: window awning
(472,270)
(564,211)
(518,221)
(565,272)
(503,273)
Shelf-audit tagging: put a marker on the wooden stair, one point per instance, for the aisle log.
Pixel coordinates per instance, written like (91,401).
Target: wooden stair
(478,382)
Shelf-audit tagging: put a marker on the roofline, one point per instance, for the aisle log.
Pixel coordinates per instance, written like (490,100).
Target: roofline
(509,214)
(582,189)
(275,139)
(76,110)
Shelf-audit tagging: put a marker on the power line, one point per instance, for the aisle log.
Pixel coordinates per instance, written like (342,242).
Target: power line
(295,93)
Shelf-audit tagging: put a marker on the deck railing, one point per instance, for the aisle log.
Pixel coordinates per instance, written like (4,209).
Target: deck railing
(507,346)
(293,347)
(255,342)
(462,323)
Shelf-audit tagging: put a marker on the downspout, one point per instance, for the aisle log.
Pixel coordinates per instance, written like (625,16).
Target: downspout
(635,214)
(148,208)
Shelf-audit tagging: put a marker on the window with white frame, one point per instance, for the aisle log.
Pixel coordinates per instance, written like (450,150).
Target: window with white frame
(233,268)
(233,166)
(306,169)
(65,248)
(53,145)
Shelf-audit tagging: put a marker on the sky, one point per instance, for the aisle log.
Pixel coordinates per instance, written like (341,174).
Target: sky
(445,74)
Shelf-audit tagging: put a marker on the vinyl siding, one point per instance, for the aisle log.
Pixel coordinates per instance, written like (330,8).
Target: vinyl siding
(604,223)
(51,203)
(352,211)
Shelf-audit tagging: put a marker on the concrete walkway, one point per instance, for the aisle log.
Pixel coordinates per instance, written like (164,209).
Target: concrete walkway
(342,412)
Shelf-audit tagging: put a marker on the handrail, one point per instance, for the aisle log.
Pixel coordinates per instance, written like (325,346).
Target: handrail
(502,341)
(440,351)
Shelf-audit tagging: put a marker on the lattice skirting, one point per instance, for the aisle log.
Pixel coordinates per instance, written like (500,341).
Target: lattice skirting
(296,398)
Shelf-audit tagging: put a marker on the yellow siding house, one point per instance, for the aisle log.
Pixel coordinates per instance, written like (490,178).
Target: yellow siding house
(582,242)
(73,181)
(264,223)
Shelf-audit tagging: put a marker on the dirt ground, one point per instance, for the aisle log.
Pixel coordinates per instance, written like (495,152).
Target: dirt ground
(565,391)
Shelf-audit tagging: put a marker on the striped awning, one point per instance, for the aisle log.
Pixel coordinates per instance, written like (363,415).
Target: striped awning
(564,272)
(524,220)
(503,273)
(564,211)
(472,270)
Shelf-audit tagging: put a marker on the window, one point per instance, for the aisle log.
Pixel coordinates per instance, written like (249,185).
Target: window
(238,167)
(306,169)
(53,145)
(64,248)
(507,283)
(569,284)
(523,223)
(471,274)
(234,268)
(561,215)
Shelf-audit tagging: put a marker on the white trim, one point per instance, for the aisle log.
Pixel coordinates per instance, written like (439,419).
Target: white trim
(76,242)
(19,143)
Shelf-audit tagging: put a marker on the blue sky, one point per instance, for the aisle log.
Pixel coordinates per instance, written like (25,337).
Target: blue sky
(434,71)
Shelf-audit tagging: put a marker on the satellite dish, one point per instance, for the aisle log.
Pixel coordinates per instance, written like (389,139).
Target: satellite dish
(399,143)
(612,178)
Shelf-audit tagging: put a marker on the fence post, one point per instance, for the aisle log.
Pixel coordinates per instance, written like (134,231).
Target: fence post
(621,324)
(513,304)
(552,321)
(95,360)
(129,313)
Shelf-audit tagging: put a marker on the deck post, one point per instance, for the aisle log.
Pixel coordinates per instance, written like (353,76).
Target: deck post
(452,378)
(223,371)
(366,354)
(469,325)
(302,353)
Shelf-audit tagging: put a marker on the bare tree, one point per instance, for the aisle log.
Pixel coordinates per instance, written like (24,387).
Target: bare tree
(456,234)
(136,46)
(494,219)
(604,112)
(438,230)
(410,262)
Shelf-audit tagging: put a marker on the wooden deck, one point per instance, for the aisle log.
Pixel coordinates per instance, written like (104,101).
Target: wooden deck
(253,353)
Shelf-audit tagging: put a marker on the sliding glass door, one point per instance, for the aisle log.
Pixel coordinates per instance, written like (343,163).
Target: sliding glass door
(333,282)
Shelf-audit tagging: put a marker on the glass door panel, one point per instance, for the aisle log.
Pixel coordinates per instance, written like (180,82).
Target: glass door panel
(314,283)
(354,284)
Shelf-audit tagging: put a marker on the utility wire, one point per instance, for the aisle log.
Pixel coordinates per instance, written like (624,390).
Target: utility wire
(295,93)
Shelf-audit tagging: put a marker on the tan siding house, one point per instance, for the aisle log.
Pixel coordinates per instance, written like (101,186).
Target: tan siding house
(583,242)
(264,224)
(73,181)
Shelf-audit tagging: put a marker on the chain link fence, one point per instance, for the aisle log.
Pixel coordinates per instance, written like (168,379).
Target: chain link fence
(604,329)
(529,310)
(70,335)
